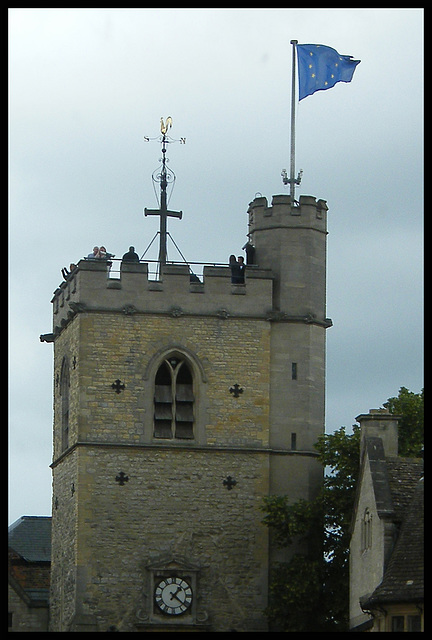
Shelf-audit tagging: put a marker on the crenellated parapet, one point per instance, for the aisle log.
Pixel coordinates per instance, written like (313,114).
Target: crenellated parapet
(309,213)
(291,241)
(285,283)
(90,288)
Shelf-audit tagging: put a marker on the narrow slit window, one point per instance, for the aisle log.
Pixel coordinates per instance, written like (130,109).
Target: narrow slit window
(293,370)
(64,394)
(366,533)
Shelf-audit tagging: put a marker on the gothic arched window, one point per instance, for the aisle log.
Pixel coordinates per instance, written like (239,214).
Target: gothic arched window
(64,394)
(174,400)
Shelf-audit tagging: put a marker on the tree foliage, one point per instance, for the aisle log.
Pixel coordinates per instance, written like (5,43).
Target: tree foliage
(410,406)
(311,591)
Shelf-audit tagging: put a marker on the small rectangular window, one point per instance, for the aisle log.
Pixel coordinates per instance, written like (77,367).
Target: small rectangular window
(294,370)
(294,441)
(397,623)
(414,623)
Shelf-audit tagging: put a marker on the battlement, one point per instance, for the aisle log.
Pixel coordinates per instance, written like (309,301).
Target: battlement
(285,275)
(177,292)
(291,241)
(310,213)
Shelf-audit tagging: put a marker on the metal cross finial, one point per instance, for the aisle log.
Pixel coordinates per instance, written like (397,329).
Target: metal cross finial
(164,176)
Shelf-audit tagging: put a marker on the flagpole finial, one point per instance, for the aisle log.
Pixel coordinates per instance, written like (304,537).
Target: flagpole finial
(294,41)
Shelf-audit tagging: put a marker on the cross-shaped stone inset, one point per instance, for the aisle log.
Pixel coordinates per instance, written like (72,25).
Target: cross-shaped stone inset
(118,386)
(236,390)
(122,478)
(229,483)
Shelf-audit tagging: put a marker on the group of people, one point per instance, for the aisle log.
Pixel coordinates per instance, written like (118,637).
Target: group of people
(100,253)
(237,265)
(238,269)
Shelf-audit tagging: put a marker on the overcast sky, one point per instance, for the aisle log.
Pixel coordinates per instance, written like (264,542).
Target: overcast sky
(86,86)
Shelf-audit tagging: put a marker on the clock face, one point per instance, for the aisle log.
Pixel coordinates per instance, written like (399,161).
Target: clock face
(173,596)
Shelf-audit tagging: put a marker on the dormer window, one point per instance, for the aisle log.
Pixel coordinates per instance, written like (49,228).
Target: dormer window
(174,400)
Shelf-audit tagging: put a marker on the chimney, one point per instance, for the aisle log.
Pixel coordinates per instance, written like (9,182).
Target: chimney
(379,423)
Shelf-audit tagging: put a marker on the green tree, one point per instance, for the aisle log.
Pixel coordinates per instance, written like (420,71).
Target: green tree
(311,591)
(410,406)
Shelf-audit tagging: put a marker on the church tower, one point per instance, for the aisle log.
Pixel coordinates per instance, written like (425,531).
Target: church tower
(178,406)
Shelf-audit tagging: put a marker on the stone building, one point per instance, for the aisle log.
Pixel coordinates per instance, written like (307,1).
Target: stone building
(178,406)
(387,546)
(29,561)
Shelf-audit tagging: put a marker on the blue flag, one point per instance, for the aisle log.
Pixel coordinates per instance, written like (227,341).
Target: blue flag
(321,67)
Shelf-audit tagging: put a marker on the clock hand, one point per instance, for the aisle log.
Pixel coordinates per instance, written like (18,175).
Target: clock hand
(174,595)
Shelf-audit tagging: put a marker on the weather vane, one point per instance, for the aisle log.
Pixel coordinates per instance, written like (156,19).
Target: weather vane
(164,176)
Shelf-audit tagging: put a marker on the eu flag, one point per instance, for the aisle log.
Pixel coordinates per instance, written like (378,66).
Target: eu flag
(321,67)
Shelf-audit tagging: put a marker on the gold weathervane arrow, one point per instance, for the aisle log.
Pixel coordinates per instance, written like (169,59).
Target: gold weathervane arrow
(166,126)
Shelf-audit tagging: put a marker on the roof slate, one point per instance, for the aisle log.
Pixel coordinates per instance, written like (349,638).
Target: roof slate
(404,577)
(30,537)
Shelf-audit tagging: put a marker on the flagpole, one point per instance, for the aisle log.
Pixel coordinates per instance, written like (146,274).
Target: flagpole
(293,104)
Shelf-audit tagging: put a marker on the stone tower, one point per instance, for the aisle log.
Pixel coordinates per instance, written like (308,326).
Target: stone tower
(179,405)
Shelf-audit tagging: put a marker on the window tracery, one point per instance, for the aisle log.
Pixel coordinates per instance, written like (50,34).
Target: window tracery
(174,400)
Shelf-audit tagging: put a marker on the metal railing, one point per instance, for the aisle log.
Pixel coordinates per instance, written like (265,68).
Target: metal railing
(196,269)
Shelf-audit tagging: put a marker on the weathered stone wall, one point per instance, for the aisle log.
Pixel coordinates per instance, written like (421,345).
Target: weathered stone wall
(174,500)
(90,287)
(64,539)
(222,353)
(26,618)
(174,503)
(366,560)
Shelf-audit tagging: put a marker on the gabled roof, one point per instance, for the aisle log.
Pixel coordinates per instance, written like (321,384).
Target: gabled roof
(394,479)
(30,537)
(378,468)
(403,475)
(404,577)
